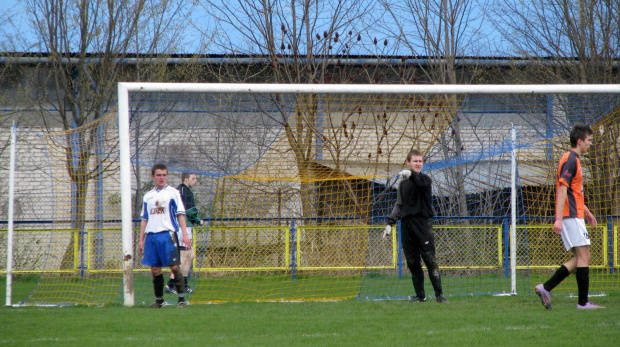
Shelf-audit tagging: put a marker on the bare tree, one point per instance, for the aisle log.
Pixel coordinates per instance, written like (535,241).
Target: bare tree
(83,45)
(307,42)
(440,31)
(573,42)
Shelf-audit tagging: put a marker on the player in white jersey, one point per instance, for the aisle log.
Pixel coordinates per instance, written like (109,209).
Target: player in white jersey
(162,215)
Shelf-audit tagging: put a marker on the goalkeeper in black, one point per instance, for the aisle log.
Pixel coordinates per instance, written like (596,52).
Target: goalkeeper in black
(191,214)
(414,209)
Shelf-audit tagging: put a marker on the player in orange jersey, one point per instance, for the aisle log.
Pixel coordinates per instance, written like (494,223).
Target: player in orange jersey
(571,213)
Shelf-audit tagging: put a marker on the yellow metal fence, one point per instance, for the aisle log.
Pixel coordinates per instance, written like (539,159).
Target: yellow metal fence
(281,248)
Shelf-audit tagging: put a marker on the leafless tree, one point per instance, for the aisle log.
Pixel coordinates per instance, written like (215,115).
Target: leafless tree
(308,41)
(440,31)
(573,42)
(82,47)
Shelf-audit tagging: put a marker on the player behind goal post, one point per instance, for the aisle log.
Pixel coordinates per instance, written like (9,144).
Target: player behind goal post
(191,215)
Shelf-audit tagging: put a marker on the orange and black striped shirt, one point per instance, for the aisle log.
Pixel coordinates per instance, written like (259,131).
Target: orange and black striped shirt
(569,175)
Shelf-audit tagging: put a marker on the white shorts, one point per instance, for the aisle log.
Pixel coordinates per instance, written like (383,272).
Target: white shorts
(180,237)
(574,233)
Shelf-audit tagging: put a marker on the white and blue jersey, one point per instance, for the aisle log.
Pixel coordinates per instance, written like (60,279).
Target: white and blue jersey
(160,208)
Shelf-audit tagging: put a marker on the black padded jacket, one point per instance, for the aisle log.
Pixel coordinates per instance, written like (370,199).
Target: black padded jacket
(414,198)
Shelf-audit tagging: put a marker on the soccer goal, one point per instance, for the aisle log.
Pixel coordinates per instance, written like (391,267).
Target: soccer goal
(295,183)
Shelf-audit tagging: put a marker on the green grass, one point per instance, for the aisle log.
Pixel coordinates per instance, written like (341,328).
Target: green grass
(465,321)
(261,287)
(246,288)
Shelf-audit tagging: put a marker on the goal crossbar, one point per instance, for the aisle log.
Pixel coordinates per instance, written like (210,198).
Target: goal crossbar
(374,88)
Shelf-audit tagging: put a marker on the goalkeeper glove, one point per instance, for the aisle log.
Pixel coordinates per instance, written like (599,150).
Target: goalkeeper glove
(405,174)
(387,231)
(192,216)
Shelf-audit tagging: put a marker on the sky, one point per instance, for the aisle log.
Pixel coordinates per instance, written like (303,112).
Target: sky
(13,9)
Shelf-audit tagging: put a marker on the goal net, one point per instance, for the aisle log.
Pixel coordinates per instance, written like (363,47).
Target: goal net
(295,183)
(64,243)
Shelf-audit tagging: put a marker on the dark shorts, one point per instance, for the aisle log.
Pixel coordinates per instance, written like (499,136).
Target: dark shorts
(160,250)
(417,237)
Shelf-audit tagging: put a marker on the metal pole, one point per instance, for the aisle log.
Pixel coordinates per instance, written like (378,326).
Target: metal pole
(513,212)
(126,223)
(9,241)
(372,88)
(293,251)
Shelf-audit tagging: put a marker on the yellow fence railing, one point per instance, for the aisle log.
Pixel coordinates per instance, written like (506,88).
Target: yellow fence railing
(36,251)
(344,248)
(538,247)
(333,247)
(461,247)
(616,228)
(247,248)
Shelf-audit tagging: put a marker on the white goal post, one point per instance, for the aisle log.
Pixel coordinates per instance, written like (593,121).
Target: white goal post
(125,88)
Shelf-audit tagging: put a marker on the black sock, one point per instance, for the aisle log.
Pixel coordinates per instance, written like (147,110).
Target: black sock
(418,285)
(158,285)
(171,282)
(180,283)
(583,284)
(559,276)
(186,282)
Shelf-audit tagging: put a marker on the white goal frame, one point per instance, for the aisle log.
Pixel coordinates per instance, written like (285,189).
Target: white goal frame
(124,88)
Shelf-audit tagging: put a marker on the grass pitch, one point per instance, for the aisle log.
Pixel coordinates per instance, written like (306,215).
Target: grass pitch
(465,321)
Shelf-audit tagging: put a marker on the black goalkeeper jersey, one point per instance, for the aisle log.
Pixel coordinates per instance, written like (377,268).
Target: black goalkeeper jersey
(414,198)
(187,196)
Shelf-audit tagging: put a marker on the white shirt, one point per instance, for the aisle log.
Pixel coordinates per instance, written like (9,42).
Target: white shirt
(160,208)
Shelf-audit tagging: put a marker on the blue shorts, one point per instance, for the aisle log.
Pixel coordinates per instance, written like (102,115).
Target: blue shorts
(160,250)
